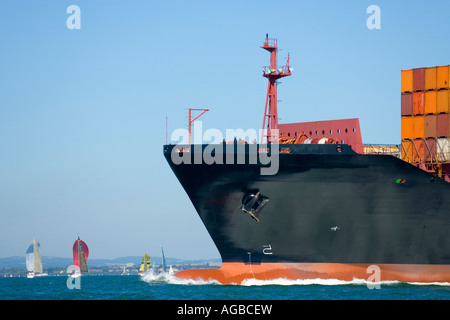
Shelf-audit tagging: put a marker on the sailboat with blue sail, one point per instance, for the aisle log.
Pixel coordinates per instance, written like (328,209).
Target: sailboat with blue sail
(33,260)
(164,265)
(163,260)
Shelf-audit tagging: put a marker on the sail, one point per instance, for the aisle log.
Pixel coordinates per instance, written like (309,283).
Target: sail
(163,260)
(82,257)
(80,254)
(29,258)
(33,258)
(145,264)
(37,257)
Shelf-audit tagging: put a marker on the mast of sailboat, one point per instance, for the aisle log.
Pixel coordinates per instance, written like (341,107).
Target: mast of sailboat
(37,257)
(163,260)
(81,257)
(145,264)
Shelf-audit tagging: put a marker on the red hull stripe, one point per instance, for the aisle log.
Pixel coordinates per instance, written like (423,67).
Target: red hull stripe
(235,273)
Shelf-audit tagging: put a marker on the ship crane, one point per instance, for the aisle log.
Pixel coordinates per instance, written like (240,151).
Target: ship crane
(191,121)
(272,73)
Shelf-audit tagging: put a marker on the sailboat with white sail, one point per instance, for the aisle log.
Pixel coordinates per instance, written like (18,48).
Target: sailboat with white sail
(33,260)
(80,256)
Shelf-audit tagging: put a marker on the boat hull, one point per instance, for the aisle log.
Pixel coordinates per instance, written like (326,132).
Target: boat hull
(328,212)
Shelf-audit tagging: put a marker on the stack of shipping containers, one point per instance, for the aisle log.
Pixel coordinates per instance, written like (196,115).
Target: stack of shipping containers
(425,122)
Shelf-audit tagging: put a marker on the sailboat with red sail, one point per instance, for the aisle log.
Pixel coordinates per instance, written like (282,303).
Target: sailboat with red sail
(80,256)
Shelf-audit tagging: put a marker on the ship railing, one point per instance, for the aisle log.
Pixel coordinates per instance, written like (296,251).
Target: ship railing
(277,70)
(270,42)
(414,155)
(393,150)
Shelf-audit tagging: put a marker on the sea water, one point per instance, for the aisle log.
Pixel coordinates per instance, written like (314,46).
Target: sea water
(167,287)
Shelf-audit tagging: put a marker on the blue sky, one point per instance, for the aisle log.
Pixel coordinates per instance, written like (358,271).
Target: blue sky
(83,112)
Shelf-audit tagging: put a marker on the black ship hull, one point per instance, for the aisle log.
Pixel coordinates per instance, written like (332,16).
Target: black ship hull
(324,205)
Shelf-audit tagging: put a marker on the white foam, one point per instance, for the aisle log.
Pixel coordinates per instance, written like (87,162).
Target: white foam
(303,282)
(443,284)
(152,277)
(331,282)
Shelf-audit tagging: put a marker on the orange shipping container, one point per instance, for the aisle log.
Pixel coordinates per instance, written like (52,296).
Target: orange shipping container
(430,126)
(430,102)
(407,81)
(419,151)
(418,127)
(418,103)
(430,150)
(407,151)
(430,78)
(407,128)
(442,98)
(442,77)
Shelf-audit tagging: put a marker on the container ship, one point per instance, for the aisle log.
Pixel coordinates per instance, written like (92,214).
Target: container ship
(334,207)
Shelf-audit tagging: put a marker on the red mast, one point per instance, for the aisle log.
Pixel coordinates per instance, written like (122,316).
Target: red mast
(191,121)
(272,73)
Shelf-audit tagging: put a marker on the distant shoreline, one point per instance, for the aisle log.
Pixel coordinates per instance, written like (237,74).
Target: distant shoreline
(56,266)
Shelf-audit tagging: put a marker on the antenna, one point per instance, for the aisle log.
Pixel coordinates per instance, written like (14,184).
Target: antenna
(272,73)
(166,130)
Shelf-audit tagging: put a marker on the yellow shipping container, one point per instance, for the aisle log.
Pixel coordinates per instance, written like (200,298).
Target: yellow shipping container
(418,127)
(407,81)
(442,101)
(407,128)
(430,78)
(430,102)
(442,77)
